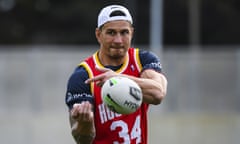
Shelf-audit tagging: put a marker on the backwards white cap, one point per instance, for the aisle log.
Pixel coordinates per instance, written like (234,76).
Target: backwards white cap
(106,14)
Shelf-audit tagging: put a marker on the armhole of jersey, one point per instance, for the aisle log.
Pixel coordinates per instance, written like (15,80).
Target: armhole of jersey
(137,58)
(90,73)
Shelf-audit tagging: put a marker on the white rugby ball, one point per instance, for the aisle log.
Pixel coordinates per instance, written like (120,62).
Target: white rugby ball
(121,95)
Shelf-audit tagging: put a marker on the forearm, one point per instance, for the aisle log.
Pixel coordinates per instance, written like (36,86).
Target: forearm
(83,139)
(83,133)
(153,92)
(81,119)
(153,85)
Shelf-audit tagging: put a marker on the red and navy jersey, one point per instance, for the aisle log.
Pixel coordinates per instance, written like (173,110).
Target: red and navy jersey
(110,126)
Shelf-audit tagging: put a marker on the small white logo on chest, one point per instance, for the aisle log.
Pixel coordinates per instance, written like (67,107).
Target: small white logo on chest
(132,67)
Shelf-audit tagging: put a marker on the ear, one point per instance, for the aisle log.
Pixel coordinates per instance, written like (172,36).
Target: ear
(132,31)
(97,34)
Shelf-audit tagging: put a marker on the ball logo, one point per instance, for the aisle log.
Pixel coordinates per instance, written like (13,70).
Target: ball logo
(112,81)
(131,105)
(136,93)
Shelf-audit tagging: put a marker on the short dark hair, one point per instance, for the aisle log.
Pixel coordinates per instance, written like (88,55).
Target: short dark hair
(117,13)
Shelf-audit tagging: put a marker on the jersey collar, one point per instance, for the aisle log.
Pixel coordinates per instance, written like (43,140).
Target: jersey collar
(99,64)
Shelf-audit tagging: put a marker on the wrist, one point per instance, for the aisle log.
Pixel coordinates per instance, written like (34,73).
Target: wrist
(86,128)
(83,133)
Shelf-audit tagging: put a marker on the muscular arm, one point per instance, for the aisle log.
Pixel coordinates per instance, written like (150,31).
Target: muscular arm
(82,123)
(80,103)
(153,85)
(152,81)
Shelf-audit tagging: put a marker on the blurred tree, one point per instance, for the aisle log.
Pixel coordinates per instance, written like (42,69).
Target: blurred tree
(220,22)
(74,21)
(175,22)
(49,22)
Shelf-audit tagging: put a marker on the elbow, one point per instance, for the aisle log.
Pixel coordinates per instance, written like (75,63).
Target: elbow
(157,101)
(159,98)
(155,96)
(160,94)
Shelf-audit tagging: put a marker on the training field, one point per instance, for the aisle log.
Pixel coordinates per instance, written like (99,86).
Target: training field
(201,107)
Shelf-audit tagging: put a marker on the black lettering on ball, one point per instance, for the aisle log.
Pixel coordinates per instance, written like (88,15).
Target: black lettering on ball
(135,92)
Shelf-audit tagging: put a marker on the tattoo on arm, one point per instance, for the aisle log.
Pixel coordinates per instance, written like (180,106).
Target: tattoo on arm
(83,139)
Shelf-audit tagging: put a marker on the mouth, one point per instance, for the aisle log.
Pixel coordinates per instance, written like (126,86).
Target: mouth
(116,47)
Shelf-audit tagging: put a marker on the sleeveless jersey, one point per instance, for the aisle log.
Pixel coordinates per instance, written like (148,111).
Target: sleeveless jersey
(111,127)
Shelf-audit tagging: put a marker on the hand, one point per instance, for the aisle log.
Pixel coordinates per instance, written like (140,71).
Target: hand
(82,122)
(82,112)
(101,78)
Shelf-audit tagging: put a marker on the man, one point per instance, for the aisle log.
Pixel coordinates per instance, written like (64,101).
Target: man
(91,121)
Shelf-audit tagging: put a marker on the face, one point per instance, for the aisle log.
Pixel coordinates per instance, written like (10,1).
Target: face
(115,38)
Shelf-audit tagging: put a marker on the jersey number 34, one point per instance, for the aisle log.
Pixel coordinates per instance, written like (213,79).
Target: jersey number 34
(124,133)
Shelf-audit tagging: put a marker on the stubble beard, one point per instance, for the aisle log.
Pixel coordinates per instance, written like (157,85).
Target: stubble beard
(117,54)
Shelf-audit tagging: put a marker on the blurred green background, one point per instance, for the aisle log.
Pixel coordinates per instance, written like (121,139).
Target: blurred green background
(73,21)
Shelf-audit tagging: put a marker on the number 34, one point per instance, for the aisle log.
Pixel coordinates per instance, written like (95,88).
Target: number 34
(135,132)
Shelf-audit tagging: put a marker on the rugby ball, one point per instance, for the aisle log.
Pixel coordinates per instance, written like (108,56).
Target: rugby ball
(121,95)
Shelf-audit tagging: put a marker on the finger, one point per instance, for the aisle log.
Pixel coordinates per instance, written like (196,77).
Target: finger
(85,108)
(74,111)
(79,110)
(85,112)
(89,112)
(99,77)
(96,78)
(102,69)
(99,83)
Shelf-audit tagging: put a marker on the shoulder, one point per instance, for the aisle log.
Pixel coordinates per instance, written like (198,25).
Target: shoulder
(77,80)
(150,60)
(148,56)
(79,74)
(77,90)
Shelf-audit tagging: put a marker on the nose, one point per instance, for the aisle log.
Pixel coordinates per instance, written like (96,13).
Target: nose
(117,38)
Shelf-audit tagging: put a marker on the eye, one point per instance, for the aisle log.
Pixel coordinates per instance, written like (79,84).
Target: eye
(111,32)
(125,32)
